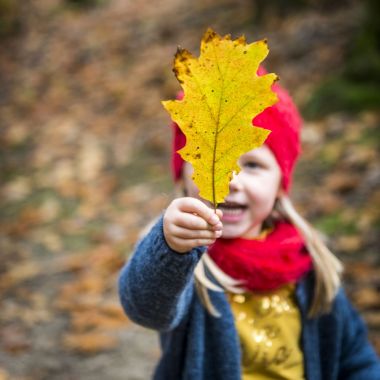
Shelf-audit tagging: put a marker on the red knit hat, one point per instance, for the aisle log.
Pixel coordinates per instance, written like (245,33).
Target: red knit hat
(283,119)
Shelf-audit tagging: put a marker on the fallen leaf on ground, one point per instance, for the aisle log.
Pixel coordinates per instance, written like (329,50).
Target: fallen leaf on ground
(14,339)
(4,375)
(94,319)
(372,318)
(366,297)
(89,343)
(22,272)
(349,243)
(342,182)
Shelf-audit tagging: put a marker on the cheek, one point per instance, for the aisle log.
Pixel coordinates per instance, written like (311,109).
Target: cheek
(263,191)
(192,189)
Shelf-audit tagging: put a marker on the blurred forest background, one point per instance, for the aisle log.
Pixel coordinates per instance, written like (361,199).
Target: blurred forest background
(85,159)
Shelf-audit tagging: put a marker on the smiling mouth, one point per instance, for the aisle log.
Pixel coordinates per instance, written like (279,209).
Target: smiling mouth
(231,208)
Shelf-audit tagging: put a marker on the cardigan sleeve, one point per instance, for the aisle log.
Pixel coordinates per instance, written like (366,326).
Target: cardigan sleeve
(156,284)
(358,358)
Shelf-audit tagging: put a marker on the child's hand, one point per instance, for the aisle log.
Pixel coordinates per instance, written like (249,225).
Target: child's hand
(189,223)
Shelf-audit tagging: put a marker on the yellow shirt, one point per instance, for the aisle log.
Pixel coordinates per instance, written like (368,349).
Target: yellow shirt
(269,328)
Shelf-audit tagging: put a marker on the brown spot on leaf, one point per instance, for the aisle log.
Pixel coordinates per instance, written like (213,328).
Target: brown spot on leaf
(209,36)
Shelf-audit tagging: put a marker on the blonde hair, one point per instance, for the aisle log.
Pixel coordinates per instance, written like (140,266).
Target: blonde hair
(327,267)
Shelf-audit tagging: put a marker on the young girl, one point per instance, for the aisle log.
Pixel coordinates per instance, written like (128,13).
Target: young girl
(249,291)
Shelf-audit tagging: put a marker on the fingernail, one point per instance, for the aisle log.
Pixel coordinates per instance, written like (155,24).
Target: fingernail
(218,234)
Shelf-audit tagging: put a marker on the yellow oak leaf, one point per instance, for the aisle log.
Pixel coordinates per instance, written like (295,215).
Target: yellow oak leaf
(222,94)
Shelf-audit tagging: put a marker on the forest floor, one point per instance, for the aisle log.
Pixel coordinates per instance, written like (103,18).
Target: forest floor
(85,166)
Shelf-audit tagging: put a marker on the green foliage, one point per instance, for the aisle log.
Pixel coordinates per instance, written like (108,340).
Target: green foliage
(340,94)
(265,9)
(371,137)
(9,17)
(335,224)
(356,87)
(84,3)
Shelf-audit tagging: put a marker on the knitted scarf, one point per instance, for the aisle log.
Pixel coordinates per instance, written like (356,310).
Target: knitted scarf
(264,264)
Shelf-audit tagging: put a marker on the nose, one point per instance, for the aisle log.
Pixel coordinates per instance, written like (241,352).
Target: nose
(235,184)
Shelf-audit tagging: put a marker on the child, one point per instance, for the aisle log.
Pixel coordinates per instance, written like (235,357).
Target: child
(249,291)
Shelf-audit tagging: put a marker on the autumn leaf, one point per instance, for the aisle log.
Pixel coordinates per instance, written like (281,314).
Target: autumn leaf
(222,94)
(89,343)
(4,375)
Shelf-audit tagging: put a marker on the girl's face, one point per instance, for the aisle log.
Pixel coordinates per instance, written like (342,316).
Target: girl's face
(252,193)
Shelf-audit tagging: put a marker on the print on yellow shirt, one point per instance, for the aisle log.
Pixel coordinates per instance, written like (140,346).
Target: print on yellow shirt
(269,328)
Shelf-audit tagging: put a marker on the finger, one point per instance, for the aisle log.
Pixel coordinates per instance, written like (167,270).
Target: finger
(193,205)
(185,233)
(219,213)
(183,245)
(193,222)
(217,227)
(201,242)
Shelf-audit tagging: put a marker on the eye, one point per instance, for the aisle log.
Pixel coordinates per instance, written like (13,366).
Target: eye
(251,165)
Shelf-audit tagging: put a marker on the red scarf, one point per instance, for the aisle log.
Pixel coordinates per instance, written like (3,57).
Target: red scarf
(264,264)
